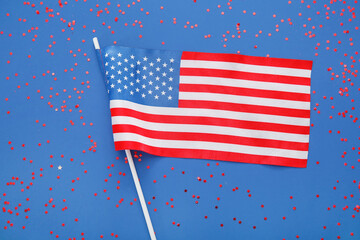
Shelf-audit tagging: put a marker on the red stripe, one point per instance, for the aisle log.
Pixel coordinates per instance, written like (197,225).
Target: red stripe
(236,107)
(212,121)
(263,61)
(244,92)
(244,75)
(212,155)
(207,137)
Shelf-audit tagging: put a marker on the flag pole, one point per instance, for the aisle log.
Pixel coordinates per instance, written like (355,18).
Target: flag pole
(135,177)
(141,195)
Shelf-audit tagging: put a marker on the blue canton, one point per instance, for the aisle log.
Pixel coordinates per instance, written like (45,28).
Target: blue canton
(149,77)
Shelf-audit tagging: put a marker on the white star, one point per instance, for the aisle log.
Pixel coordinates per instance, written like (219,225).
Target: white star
(170,88)
(112,76)
(119,72)
(163,83)
(107,72)
(132,74)
(137,80)
(164,64)
(132,65)
(150,82)
(132,56)
(119,54)
(59,167)
(138,71)
(138,62)
(151,73)
(125,87)
(119,81)
(156,87)
(145,59)
(144,67)
(119,63)
(162,93)
(112,85)
(169,97)
(137,89)
(106,55)
(158,59)
(143,95)
(112,67)
(144,77)
(150,92)
(119,90)
(157,78)
(158,69)
(143,86)
(131,84)
(171,60)
(106,63)
(170,79)
(151,64)
(125,78)
(131,93)
(112,59)
(156,97)
(164,74)
(171,69)
(126,60)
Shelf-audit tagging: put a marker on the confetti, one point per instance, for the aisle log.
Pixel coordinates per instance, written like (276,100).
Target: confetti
(61,177)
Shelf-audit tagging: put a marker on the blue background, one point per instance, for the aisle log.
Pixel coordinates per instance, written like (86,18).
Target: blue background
(54,111)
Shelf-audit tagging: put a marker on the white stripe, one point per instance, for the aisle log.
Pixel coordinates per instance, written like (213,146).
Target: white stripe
(294,72)
(227,147)
(270,102)
(231,82)
(209,129)
(198,112)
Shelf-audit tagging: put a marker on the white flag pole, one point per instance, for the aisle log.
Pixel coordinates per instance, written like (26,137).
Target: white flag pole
(136,179)
(141,195)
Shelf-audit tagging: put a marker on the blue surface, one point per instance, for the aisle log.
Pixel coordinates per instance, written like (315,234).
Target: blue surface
(41,76)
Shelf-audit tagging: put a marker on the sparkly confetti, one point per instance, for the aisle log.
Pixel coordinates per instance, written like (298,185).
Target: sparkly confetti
(62,179)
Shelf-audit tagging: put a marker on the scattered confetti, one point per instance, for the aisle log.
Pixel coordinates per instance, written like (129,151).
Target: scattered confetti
(61,177)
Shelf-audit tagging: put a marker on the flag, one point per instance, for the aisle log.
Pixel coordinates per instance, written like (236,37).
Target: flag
(226,107)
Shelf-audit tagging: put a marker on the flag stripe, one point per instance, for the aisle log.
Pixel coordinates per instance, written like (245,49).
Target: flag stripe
(214,121)
(270,102)
(213,81)
(198,112)
(211,154)
(246,108)
(263,61)
(258,142)
(197,128)
(305,81)
(259,93)
(245,67)
(241,83)
(212,146)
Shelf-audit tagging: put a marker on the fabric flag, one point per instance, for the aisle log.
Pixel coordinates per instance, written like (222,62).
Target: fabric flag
(216,106)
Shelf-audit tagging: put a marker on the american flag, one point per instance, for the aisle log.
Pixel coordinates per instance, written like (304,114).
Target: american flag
(208,105)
